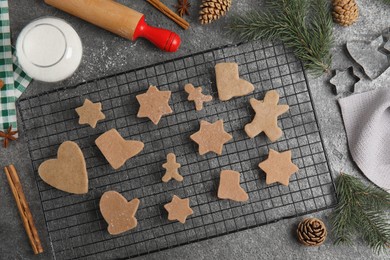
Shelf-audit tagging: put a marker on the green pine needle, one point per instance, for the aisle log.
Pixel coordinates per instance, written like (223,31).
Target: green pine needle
(361,210)
(304,25)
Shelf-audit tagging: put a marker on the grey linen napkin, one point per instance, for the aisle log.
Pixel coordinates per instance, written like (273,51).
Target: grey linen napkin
(367,122)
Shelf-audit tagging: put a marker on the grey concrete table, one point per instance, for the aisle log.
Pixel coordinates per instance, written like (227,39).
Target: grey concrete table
(105,54)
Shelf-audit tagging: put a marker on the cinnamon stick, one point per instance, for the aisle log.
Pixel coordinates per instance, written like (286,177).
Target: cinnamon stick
(169,13)
(24,210)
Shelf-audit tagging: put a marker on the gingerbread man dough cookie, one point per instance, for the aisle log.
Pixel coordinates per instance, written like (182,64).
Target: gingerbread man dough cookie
(195,94)
(172,169)
(266,118)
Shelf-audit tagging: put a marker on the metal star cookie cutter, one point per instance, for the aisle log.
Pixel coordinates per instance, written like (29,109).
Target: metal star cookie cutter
(371,56)
(344,80)
(387,46)
(386,38)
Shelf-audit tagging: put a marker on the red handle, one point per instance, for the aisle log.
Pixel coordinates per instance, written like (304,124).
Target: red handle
(162,38)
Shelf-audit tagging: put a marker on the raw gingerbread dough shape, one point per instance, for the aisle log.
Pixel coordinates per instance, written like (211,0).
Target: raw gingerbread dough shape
(278,167)
(90,113)
(229,187)
(154,104)
(172,168)
(195,94)
(116,149)
(211,137)
(266,118)
(118,212)
(229,84)
(178,209)
(68,172)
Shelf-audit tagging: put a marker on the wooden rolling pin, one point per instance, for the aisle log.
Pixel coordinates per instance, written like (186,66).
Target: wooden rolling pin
(118,19)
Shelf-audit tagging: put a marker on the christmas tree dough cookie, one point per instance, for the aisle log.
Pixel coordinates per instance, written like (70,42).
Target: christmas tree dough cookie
(68,172)
(278,167)
(196,95)
(266,118)
(172,169)
(154,104)
(116,149)
(229,186)
(90,113)
(118,212)
(229,84)
(178,209)
(211,137)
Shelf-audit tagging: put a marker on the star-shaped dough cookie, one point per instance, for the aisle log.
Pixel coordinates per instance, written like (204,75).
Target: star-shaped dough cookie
(211,137)
(278,167)
(90,113)
(154,104)
(266,118)
(178,209)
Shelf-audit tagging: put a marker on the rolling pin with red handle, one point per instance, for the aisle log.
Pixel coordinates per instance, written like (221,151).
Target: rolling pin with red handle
(118,19)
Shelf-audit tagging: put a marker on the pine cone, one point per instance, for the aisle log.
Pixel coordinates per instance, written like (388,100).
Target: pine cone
(311,232)
(345,12)
(213,9)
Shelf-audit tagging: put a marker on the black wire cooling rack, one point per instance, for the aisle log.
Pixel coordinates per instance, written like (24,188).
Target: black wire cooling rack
(74,223)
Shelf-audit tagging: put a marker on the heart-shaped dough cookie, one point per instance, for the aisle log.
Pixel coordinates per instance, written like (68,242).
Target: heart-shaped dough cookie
(118,212)
(67,173)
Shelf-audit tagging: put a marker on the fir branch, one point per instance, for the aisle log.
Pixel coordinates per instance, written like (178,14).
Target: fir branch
(304,25)
(374,198)
(343,213)
(361,209)
(374,228)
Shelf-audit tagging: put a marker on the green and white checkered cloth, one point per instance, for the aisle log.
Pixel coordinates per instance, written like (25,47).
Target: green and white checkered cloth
(16,81)
(21,79)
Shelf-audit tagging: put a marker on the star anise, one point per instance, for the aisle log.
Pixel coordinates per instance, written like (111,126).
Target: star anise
(182,7)
(8,135)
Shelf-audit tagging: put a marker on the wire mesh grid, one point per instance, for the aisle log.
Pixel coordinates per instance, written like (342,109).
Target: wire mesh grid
(75,226)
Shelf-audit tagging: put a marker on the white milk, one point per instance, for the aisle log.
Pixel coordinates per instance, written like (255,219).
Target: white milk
(49,49)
